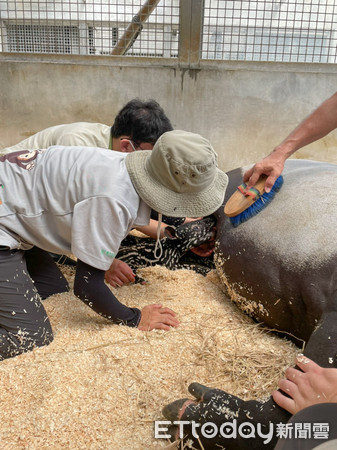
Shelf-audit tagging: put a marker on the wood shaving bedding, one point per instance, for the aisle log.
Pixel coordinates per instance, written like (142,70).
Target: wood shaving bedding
(101,386)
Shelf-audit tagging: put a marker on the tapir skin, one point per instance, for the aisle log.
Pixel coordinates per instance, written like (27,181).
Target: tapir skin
(282,262)
(280,267)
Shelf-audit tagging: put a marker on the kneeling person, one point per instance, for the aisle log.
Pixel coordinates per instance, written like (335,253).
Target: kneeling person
(71,199)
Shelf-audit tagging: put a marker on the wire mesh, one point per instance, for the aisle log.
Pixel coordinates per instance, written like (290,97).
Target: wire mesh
(89,27)
(262,30)
(287,31)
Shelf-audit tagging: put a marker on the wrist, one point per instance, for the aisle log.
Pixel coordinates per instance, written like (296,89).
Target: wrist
(283,151)
(134,323)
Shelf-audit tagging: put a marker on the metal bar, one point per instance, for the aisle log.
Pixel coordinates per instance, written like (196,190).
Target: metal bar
(197,10)
(190,32)
(134,28)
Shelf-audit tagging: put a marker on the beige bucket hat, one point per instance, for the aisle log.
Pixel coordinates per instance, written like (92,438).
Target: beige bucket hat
(179,177)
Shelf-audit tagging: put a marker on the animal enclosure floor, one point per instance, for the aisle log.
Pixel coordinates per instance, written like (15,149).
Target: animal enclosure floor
(101,386)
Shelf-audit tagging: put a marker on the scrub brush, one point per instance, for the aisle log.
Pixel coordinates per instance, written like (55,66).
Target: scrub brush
(242,205)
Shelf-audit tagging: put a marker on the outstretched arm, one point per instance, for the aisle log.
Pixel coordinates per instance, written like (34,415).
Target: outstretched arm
(89,286)
(317,125)
(151,229)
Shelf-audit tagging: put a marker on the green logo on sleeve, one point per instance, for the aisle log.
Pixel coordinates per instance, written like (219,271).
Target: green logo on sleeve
(108,253)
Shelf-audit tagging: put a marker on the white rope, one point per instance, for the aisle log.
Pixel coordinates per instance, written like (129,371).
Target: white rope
(158,243)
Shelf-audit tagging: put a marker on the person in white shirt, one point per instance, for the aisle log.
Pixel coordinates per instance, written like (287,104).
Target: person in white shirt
(85,200)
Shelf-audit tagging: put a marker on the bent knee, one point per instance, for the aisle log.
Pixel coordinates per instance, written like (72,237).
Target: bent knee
(13,344)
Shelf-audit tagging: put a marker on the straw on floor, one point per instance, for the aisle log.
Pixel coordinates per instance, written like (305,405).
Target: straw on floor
(101,386)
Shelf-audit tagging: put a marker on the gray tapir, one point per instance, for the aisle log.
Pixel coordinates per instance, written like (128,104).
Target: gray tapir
(282,266)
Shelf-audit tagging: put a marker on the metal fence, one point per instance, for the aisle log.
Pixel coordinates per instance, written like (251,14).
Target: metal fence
(277,30)
(287,31)
(90,27)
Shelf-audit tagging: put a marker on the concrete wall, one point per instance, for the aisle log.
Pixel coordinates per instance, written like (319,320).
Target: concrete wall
(245,109)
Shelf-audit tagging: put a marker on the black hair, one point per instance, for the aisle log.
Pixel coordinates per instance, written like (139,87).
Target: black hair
(142,121)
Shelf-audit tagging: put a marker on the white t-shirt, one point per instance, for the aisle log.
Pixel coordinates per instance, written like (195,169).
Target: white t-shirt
(69,199)
(78,133)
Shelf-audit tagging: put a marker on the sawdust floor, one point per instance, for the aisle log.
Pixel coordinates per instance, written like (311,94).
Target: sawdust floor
(101,386)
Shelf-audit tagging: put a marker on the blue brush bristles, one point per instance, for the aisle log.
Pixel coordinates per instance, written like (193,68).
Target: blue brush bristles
(258,205)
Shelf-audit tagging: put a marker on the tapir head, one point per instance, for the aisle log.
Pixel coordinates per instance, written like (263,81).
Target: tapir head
(193,233)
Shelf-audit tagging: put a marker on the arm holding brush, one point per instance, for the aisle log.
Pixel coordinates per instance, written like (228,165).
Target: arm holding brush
(317,125)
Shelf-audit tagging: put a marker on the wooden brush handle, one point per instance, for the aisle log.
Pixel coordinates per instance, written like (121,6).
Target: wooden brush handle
(239,202)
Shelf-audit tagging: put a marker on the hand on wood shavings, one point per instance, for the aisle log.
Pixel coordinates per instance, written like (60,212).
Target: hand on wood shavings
(311,385)
(157,317)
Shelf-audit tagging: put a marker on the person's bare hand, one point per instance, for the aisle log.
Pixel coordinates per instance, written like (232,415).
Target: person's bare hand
(119,273)
(310,385)
(272,166)
(191,219)
(157,317)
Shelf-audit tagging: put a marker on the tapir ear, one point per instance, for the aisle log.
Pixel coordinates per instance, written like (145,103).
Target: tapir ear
(170,232)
